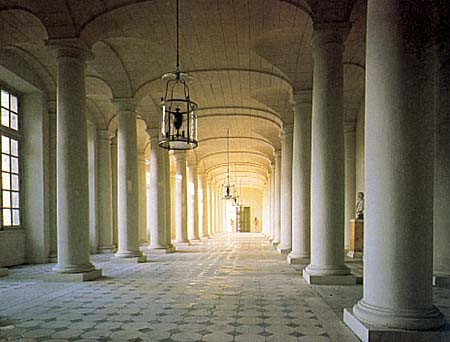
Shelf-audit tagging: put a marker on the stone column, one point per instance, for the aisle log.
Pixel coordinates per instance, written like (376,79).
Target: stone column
(327,181)
(301,178)
(268,206)
(203,217)
(156,199)
(72,163)
(441,221)
(104,192)
(127,189)
(181,197)
(285,245)
(193,231)
(211,208)
(142,191)
(167,190)
(272,203)
(277,190)
(53,243)
(398,240)
(114,191)
(350,178)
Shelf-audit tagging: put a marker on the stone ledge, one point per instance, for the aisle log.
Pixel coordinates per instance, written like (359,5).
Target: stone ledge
(73,277)
(369,333)
(132,260)
(293,260)
(311,279)
(3,272)
(355,255)
(182,244)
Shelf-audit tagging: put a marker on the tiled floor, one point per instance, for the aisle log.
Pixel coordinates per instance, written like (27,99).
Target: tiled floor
(231,288)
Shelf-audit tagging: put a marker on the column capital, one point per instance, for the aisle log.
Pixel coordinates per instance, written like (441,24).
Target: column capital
(301,96)
(277,154)
(287,130)
(153,133)
(70,47)
(191,162)
(125,104)
(104,134)
(330,33)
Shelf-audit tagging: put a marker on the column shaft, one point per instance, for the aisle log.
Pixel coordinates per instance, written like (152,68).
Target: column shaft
(181,197)
(301,179)
(127,190)
(53,243)
(398,241)
(104,192)
(72,164)
(350,179)
(277,190)
(193,231)
(441,220)
(285,245)
(327,181)
(157,194)
(142,193)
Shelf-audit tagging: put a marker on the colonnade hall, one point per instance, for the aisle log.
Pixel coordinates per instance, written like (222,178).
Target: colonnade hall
(225,170)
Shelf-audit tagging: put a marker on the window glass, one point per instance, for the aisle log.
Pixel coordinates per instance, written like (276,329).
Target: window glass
(6,217)
(5,99)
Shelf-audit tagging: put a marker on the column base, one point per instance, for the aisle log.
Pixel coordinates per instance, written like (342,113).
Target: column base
(204,238)
(161,250)
(52,259)
(128,260)
(106,250)
(294,259)
(441,281)
(275,243)
(370,333)
(282,250)
(355,255)
(4,272)
(74,277)
(328,279)
(182,244)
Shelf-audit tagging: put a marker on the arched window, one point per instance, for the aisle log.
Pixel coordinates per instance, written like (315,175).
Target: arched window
(10,169)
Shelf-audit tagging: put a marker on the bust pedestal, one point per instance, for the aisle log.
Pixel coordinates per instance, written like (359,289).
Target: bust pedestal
(356,238)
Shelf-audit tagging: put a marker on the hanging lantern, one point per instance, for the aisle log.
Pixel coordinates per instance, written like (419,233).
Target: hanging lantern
(178,127)
(228,188)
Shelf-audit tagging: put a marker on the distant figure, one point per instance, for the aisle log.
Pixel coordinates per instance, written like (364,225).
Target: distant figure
(360,206)
(255,223)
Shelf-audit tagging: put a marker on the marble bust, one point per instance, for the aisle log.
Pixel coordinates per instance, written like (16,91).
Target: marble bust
(360,206)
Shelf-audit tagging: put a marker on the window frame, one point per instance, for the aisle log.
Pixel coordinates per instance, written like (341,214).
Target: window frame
(16,135)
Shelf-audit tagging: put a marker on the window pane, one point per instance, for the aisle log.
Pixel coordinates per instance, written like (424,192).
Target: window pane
(14,121)
(6,217)
(16,217)
(14,103)
(5,162)
(5,99)
(15,165)
(14,147)
(15,182)
(6,181)
(15,199)
(5,117)
(5,144)
(6,199)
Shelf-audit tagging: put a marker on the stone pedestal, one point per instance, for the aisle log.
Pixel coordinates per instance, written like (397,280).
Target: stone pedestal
(73,277)
(131,260)
(356,238)
(297,260)
(370,333)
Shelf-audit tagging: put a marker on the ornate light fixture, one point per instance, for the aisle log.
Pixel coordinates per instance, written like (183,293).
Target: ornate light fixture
(178,128)
(228,189)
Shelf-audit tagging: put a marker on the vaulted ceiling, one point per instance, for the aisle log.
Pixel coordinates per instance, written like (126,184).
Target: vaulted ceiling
(246,57)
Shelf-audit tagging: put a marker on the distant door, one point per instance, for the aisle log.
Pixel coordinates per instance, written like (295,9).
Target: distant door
(243,219)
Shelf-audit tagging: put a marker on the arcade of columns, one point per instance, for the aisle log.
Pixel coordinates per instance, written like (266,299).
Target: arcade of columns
(311,186)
